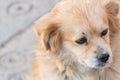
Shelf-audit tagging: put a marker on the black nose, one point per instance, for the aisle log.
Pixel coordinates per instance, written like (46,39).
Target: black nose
(103,57)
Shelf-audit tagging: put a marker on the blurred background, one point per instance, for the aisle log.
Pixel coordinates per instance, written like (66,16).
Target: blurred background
(16,35)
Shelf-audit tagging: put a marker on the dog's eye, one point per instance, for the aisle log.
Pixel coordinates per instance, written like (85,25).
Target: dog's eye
(104,32)
(82,40)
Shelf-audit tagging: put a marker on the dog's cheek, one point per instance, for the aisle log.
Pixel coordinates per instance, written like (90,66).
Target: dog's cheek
(89,55)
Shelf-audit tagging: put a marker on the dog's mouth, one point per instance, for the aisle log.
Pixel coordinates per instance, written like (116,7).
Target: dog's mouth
(102,61)
(102,64)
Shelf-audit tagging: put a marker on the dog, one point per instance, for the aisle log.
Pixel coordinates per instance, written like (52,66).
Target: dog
(78,40)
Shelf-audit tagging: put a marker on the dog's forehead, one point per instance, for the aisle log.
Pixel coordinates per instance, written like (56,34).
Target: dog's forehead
(85,12)
(77,28)
(81,17)
(85,22)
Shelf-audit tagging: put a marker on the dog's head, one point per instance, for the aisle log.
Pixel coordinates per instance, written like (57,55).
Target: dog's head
(80,29)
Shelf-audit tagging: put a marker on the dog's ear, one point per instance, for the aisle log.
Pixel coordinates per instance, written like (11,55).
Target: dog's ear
(112,9)
(49,35)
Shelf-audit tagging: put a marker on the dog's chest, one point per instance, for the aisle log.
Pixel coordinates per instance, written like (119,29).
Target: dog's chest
(69,74)
(110,75)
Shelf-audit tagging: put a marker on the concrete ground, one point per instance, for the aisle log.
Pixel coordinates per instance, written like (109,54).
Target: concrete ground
(16,35)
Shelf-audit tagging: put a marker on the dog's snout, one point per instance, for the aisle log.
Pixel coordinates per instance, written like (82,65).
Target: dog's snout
(103,57)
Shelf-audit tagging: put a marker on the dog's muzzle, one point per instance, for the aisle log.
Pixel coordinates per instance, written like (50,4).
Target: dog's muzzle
(103,59)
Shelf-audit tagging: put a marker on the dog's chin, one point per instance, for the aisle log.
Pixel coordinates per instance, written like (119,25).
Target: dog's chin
(101,65)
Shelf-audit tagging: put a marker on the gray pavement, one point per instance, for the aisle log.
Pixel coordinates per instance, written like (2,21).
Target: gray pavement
(16,35)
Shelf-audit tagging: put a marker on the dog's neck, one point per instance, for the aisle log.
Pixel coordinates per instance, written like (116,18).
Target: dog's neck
(71,69)
(77,71)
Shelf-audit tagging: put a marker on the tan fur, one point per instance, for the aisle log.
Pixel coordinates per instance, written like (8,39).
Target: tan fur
(57,55)
(113,21)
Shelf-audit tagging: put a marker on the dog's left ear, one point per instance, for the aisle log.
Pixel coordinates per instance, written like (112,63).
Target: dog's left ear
(48,34)
(51,37)
(112,9)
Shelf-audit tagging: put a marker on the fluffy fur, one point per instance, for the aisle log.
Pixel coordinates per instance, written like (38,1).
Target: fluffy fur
(59,57)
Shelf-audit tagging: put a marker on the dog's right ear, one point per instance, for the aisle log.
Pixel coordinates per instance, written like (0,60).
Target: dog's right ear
(112,9)
(49,35)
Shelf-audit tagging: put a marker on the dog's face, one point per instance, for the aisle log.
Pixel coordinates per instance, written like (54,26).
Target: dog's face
(88,41)
(81,31)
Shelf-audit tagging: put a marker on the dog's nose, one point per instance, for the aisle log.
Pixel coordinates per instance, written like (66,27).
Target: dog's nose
(103,57)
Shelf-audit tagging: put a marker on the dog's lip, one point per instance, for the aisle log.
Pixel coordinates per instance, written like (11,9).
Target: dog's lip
(103,64)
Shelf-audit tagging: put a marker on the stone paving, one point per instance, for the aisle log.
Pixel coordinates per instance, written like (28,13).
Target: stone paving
(16,35)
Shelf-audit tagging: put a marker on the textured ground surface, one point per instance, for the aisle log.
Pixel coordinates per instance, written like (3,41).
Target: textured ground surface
(16,35)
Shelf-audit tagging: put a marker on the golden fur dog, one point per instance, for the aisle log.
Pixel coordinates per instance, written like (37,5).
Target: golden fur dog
(78,40)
